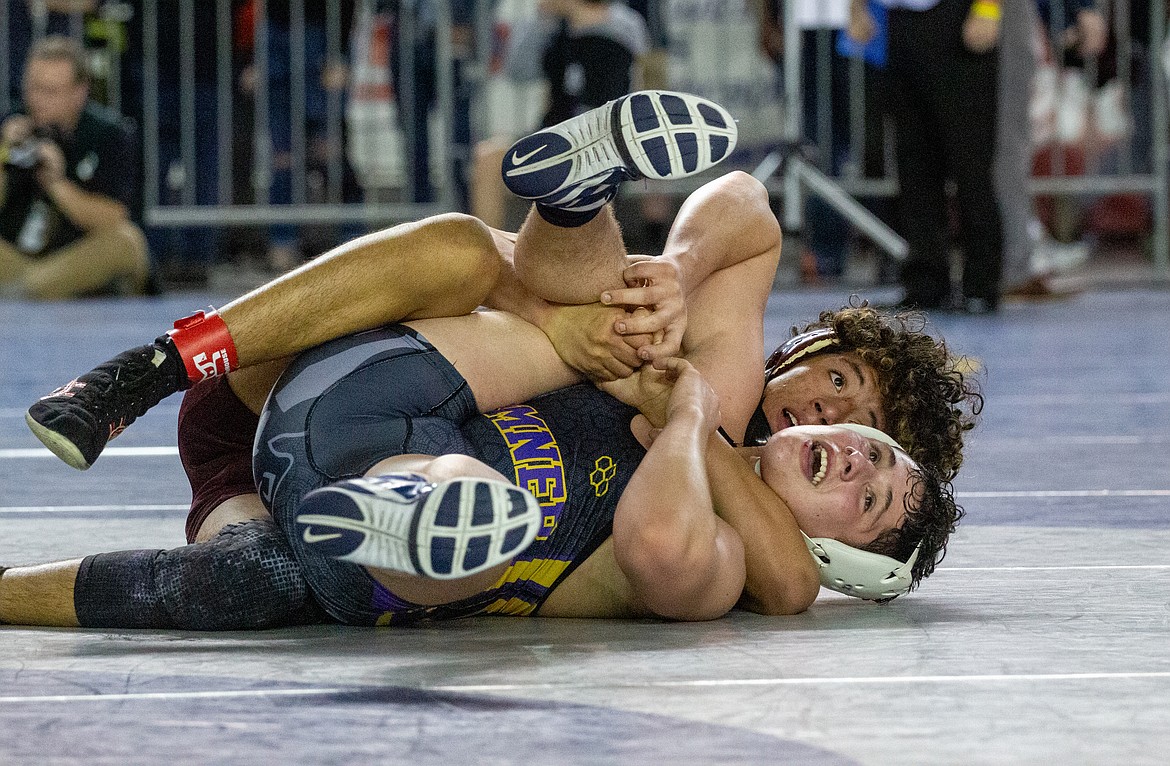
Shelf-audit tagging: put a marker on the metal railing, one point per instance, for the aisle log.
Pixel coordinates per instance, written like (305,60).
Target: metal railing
(225,211)
(181,110)
(794,171)
(713,51)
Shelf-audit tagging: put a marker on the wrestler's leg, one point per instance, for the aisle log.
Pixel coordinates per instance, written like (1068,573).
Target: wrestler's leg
(46,594)
(399,523)
(231,511)
(502,358)
(243,577)
(216,430)
(39,595)
(408,399)
(572,170)
(593,253)
(441,266)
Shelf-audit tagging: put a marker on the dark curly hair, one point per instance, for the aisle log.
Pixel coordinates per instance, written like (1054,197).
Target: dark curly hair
(928,404)
(931,517)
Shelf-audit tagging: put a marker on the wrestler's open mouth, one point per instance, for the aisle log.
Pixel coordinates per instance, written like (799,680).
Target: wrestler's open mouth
(792,421)
(818,464)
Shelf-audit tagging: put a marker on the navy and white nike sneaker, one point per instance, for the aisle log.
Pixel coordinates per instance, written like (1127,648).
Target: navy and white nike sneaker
(578,164)
(406,523)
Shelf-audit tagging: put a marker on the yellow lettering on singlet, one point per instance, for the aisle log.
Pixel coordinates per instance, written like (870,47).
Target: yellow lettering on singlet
(543,572)
(513,606)
(536,460)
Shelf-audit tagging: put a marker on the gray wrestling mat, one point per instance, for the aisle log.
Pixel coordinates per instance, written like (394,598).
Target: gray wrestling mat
(1042,638)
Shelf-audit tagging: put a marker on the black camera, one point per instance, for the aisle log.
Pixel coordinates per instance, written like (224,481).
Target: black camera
(25,156)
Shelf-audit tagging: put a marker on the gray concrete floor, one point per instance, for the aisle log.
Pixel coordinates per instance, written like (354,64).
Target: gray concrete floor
(1041,638)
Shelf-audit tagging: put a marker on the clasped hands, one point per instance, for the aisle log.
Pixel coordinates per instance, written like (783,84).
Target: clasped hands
(628,327)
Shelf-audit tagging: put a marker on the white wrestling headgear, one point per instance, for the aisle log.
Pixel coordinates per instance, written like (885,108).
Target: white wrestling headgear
(859,573)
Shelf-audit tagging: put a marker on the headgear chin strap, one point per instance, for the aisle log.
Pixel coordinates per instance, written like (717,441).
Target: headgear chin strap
(859,573)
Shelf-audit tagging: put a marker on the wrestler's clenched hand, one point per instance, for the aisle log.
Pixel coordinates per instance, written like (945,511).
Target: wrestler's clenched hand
(671,388)
(690,394)
(585,339)
(656,285)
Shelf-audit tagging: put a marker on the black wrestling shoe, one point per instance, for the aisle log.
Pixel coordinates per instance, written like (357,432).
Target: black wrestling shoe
(77,420)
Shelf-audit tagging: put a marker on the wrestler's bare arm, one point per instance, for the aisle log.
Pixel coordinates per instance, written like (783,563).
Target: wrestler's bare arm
(727,244)
(781,576)
(724,340)
(681,560)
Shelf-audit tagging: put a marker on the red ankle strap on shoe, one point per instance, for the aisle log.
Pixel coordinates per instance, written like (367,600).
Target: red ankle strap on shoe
(205,345)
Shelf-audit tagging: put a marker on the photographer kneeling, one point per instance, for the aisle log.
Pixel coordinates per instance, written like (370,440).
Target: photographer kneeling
(68,183)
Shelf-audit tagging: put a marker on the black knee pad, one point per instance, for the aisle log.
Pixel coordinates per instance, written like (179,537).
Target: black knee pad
(243,578)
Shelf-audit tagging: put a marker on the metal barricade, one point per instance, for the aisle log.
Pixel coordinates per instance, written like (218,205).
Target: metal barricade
(712,51)
(1137,164)
(187,96)
(267,159)
(1139,158)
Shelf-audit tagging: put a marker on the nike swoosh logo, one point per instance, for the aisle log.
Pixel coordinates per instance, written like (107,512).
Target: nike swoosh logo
(311,537)
(517,159)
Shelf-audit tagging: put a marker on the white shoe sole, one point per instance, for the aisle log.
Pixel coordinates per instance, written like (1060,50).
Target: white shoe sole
(648,134)
(452,529)
(57,444)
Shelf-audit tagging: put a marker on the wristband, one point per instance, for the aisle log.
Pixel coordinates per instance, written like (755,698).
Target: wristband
(986,9)
(205,346)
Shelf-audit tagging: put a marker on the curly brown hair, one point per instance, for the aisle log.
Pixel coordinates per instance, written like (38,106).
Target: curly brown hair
(928,404)
(931,517)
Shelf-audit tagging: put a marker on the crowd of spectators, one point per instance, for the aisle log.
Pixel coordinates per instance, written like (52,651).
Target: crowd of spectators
(947,83)
(288,73)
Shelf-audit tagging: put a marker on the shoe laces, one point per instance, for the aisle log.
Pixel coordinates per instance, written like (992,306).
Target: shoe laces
(121,389)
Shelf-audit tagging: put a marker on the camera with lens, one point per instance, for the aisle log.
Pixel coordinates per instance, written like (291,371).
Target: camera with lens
(23,158)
